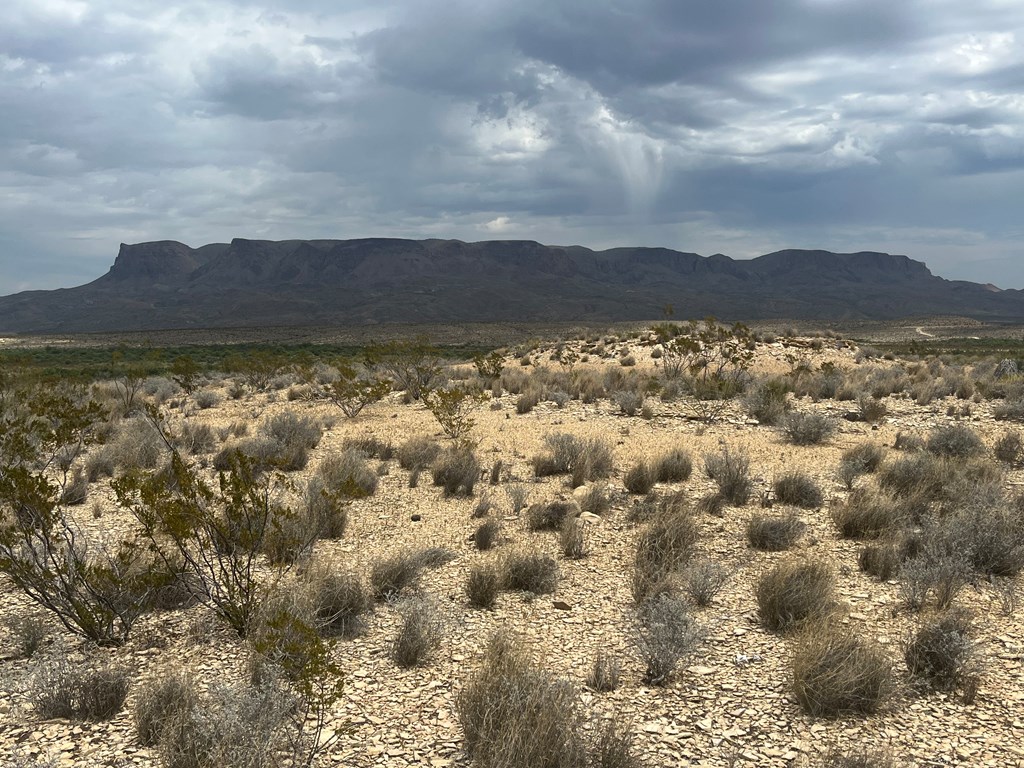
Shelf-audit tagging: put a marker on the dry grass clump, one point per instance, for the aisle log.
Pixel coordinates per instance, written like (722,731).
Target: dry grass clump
(160,700)
(371,446)
(861,459)
(666,634)
(956,441)
(640,478)
(604,673)
(942,652)
(768,401)
(515,715)
(419,634)
(731,473)
(550,516)
(795,591)
(805,428)
(338,601)
(390,575)
(879,560)
(483,585)
(571,540)
(774,534)
(872,409)
(26,633)
(663,548)
(418,453)
(60,689)
(675,466)
(836,672)
(486,534)
(703,579)
(1009,448)
(918,474)
(595,499)
(584,459)
(867,514)
(532,572)
(798,489)
(457,471)
(859,757)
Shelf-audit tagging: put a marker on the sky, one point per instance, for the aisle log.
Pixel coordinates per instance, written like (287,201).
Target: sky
(714,126)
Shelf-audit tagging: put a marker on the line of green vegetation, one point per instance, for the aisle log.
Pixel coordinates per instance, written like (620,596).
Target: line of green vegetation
(85,364)
(959,349)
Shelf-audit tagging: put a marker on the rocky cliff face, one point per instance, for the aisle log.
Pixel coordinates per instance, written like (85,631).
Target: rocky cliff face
(166,284)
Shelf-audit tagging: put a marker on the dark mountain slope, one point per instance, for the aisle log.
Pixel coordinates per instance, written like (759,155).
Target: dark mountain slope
(379,280)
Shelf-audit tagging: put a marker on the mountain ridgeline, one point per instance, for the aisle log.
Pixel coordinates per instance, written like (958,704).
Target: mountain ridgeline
(253,283)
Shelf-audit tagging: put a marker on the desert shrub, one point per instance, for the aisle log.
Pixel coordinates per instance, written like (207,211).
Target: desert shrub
(942,652)
(1009,448)
(836,672)
(26,633)
(867,514)
(372,447)
(76,489)
(456,470)
(639,478)
(731,473)
(338,601)
(515,715)
(774,534)
(289,429)
(61,689)
(604,672)
(517,495)
(872,409)
(859,757)
(326,508)
(710,504)
(666,634)
(879,560)
(482,585)
(158,701)
(664,547)
(418,453)
(390,575)
(933,573)
(527,401)
(674,466)
(418,635)
(290,536)
(629,402)
(768,402)
(550,516)
(956,441)
(347,475)
(194,438)
(918,474)
(595,499)
(1010,410)
(990,536)
(486,534)
(703,579)
(571,539)
(808,428)
(136,445)
(435,557)
(262,453)
(793,592)
(627,360)
(584,459)
(798,489)
(861,459)
(533,572)
(206,398)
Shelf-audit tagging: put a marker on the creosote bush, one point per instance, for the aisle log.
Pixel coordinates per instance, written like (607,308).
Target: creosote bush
(798,489)
(837,672)
(795,591)
(774,534)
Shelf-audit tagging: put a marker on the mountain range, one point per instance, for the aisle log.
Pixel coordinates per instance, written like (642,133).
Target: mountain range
(254,283)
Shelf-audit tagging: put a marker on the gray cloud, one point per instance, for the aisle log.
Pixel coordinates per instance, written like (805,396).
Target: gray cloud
(735,126)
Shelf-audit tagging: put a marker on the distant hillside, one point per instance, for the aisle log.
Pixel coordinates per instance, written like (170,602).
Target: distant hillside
(251,283)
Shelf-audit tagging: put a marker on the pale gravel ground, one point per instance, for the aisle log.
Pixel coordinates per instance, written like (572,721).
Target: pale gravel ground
(711,712)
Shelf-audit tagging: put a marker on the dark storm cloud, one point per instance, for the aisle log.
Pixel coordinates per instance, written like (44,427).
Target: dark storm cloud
(737,126)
